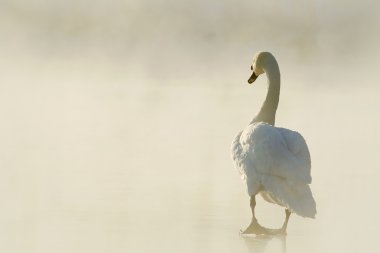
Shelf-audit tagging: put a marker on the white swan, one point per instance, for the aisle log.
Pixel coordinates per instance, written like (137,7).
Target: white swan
(273,161)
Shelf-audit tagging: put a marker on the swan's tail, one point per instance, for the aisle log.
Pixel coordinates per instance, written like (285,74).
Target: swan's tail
(297,198)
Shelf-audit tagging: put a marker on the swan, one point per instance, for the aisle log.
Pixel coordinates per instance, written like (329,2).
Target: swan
(273,161)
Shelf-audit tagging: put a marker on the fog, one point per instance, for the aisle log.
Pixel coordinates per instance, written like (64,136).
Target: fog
(117,119)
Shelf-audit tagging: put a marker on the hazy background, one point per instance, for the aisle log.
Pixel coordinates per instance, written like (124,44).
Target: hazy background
(117,117)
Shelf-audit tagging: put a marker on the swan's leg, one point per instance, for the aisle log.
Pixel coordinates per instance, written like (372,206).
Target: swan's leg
(254,227)
(285,225)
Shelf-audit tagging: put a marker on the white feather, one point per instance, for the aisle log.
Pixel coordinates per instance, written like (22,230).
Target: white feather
(276,163)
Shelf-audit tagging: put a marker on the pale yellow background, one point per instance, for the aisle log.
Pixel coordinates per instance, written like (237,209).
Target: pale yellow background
(116,119)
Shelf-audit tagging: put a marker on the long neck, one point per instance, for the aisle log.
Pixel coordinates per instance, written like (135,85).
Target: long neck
(268,110)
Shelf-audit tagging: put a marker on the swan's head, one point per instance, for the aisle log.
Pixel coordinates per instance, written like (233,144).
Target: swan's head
(260,64)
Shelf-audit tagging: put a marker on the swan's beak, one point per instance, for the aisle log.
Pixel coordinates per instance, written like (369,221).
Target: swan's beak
(252,78)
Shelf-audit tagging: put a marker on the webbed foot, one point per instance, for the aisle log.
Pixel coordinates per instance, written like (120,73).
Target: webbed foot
(257,229)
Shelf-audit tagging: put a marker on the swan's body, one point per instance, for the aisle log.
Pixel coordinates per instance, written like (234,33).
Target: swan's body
(273,161)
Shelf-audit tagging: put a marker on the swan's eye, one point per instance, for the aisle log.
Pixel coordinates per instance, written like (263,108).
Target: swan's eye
(251,67)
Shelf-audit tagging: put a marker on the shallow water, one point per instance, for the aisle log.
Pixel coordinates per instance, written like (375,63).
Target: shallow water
(98,166)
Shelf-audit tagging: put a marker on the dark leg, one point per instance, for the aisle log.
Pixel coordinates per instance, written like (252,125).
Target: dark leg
(285,225)
(254,227)
(252,204)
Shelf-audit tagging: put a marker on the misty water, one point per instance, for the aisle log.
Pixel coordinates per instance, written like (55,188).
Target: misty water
(107,147)
(95,165)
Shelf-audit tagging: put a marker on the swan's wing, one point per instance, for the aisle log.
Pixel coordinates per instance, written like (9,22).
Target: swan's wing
(243,163)
(298,147)
(238,155)
(270,150)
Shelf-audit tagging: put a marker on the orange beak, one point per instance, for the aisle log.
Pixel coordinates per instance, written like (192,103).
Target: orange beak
(252,78)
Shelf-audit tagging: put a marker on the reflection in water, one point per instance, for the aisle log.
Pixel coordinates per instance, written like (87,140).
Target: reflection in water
(258,244)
